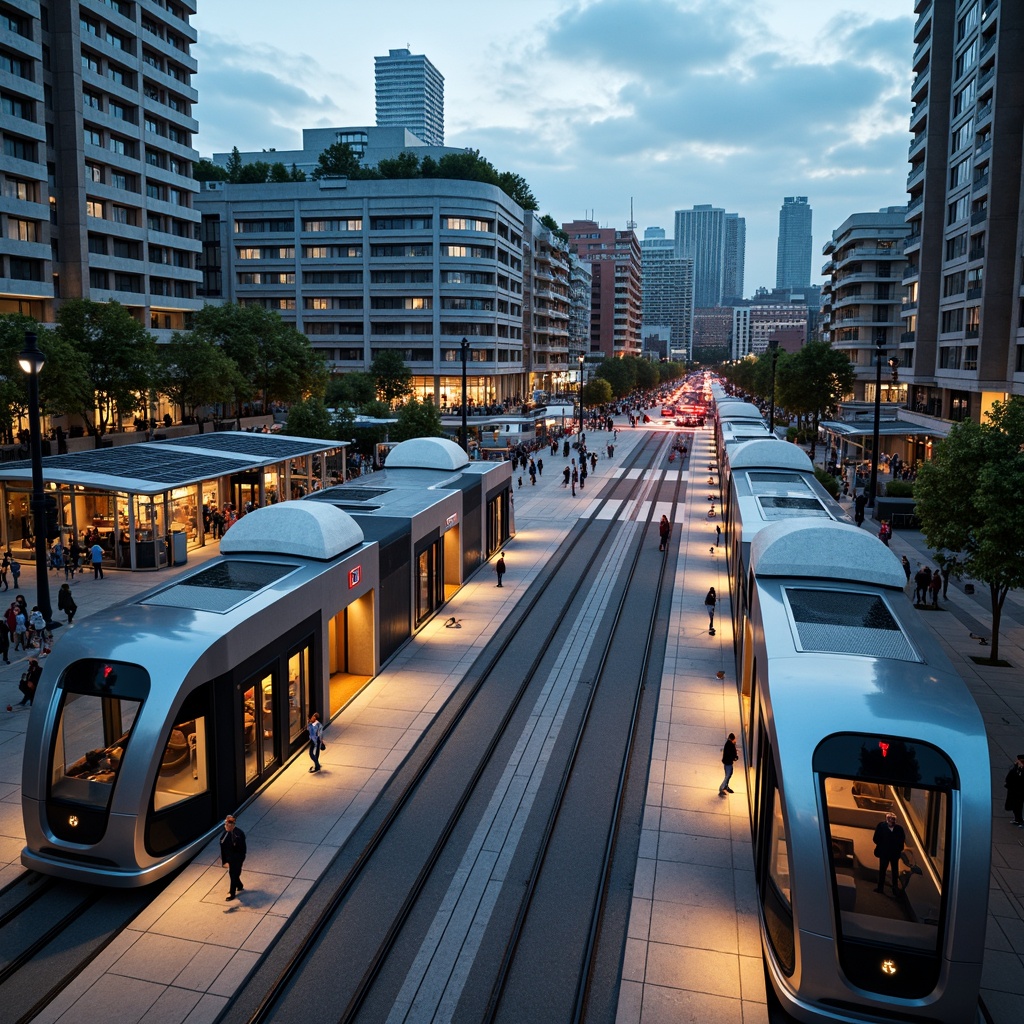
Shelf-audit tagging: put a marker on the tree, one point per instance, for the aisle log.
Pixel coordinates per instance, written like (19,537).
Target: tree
(405,165)
(275,361)
(620,374)
(255,173)
(350,390)
(968,503)
(338,160)
(417,419)
(391,376)
(113,356)
(812,381)
(310,418)
(234,167)
(467,166)
(597,391)
(207,170)
(647,375)
(516,188)
(193,372)
(553,226)
(13,381)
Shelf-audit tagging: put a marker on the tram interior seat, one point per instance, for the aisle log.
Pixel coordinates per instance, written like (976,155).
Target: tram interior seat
(180,745)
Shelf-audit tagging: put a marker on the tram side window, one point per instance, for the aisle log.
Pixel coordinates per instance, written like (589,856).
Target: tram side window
(92,735)
(183,767)
(856,813)
(778,894)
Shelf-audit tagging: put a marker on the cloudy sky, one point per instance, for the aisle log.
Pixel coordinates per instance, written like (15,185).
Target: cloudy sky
(599,103)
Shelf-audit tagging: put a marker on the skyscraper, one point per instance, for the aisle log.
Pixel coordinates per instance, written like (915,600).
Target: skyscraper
(410,94)
(735,258)
(97,158)
(667,291)
(793,264)
(716,242)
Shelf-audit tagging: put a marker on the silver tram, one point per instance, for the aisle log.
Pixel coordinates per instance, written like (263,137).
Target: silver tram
(851,712)
(155,718)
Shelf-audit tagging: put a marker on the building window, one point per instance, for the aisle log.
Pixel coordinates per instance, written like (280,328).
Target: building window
(958,209)
(94,208)
(956,246)
(952,320)
(949,357)
(953,284)
(22,230)
(971,357)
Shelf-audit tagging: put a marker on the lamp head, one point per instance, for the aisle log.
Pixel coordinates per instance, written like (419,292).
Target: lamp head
(30,359)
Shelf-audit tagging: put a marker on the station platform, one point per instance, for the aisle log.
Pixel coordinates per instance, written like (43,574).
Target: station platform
(693,951)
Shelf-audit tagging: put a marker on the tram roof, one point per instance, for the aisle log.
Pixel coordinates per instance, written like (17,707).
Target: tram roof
(825,550)
(754,454)
(153,467)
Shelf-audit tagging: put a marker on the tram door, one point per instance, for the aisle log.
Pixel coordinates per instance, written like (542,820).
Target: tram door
(260,726)
(429,580)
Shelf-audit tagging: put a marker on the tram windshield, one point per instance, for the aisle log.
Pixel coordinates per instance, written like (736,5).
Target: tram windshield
(888,818)
(92,735)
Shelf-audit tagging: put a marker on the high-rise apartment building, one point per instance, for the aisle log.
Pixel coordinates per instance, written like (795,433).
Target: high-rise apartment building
(616,288)
(793,262)
(410,94)
(861,301)
(97,157)
(716,242)
(547,297)
(735,258)
(667,292)
(963,341)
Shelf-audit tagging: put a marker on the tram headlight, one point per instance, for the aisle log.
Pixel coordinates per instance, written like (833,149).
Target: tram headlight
(889,967)
(73,820)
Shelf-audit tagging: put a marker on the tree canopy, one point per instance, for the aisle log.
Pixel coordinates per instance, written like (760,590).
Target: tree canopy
(392,378)
(968,503)
(310,418)
(417,419)
(597,391)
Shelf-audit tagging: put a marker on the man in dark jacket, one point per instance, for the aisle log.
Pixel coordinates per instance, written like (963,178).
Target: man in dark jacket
(729,758)
(1015,791)
(889,842)
(232,854)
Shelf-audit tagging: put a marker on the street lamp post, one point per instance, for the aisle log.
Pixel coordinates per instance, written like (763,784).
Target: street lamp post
(773,347)
(31,360)
(464,355)
(873,486)
(580,359)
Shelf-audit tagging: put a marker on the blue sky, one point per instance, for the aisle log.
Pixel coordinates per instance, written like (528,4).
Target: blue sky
(667,103)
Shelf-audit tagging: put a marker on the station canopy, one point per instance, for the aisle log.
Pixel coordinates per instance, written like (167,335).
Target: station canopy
(153,467)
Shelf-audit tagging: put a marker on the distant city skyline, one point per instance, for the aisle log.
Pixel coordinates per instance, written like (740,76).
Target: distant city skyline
(661,103)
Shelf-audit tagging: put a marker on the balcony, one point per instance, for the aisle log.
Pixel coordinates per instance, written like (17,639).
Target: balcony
(974,293)
(916,172)
(911,272)
(972,332)
(908,337)
(979,216)
(980,182)
(985,77)
(983,113)
(987,45)
(915,203)
(977,253)
(916,143)
(983,147)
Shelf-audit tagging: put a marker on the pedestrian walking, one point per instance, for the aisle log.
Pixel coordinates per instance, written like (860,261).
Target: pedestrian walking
(96,553)
(906,567)
(5,643)
(540,467)
(664,532)
(565,476)
(29,682)
(66,602)
(718,535)
(36,626)
(574,479)
(232,854)
(75,554)
(922,578)
(1015,791)
(5,565)
(499,567)
(934,586)
(730,756)
(15,571)
(885,532)
(945,581)
(710,600)
(316,743)
(858,508)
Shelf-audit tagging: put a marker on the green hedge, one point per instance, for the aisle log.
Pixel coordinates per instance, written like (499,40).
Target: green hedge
(899,489)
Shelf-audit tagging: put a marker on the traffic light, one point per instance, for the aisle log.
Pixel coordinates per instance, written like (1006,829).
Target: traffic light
(52,524)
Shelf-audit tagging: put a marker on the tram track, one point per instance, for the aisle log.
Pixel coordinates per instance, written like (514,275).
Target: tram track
(377,883)
(50,931)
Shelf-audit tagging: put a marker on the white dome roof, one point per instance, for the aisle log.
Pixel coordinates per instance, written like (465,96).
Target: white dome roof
(303,529)
(825,550)
(427,453)
(767,452)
